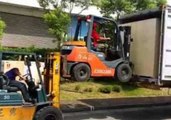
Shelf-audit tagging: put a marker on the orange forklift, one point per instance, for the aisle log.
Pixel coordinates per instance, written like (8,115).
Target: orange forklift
(80,60)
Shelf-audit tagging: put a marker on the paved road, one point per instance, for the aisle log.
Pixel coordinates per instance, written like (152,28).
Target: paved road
(150,113)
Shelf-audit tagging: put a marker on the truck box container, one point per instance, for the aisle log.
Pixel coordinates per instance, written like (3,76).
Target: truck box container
(150,50)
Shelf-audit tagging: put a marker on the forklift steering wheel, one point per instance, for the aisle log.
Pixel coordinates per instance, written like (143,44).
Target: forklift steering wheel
(25,77)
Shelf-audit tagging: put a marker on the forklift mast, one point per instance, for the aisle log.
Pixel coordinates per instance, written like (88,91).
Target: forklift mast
(126,40)
(52,77)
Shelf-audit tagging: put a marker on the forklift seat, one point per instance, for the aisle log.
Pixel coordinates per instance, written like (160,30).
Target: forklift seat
(100,55)
(4,84)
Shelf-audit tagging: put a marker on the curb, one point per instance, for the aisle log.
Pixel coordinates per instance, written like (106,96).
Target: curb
(113,103)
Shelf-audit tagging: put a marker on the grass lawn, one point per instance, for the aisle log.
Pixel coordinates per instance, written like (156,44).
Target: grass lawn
(90,90)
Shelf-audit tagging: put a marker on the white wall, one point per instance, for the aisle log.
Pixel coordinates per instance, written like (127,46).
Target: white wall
(169,2)
(34,3)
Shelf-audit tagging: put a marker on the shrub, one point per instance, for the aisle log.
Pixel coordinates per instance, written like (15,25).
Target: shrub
(88,89)
(105,89)
(77,88)
(116,88)
(31,49)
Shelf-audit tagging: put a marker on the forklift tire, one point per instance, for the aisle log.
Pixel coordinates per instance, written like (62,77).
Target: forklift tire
(81,72)
(124,73)
(48,113)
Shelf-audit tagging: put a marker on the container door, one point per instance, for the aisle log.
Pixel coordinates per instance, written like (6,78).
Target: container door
(165,70)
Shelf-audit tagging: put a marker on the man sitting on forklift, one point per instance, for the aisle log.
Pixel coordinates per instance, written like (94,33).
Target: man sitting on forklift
(96,37)
(11,75)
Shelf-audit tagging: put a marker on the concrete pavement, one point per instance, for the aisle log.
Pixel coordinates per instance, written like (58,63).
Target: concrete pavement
(140,113)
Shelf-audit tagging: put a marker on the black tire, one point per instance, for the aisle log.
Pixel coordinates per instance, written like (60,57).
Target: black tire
(81,72)
(48,113)
(124,73)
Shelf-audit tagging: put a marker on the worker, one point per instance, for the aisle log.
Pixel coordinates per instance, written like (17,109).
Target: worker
(96,37)
(11,75)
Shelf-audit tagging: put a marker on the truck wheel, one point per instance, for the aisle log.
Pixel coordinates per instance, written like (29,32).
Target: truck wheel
(48,113)
(124,72)
(81,72)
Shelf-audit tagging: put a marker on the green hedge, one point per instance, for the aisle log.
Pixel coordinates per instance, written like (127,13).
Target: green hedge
(41,51)
(105,89)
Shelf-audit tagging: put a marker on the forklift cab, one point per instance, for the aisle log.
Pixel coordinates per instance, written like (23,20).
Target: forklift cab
(118,44)
(28,65)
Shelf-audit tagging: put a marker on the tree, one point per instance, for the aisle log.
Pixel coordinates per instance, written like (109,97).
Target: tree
(67,4)
(119,7)
(58,22)
(2,27)
(56,19)
(58,15)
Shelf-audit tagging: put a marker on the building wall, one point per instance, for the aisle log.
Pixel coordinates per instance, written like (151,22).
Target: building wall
(26,31)
(25,27)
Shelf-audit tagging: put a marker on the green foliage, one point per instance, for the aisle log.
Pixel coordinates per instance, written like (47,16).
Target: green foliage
(119,7)
(31,49)
(77,88)
(2,27)
(115,6)
(105,89)
(116,88)
(110,88)
(148,4)
(58,22)
(67,4)
(89,89)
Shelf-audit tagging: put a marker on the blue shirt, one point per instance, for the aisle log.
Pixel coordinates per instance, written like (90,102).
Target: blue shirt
(11,74)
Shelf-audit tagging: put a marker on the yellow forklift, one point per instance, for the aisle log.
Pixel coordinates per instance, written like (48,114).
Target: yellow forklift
(46,95)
